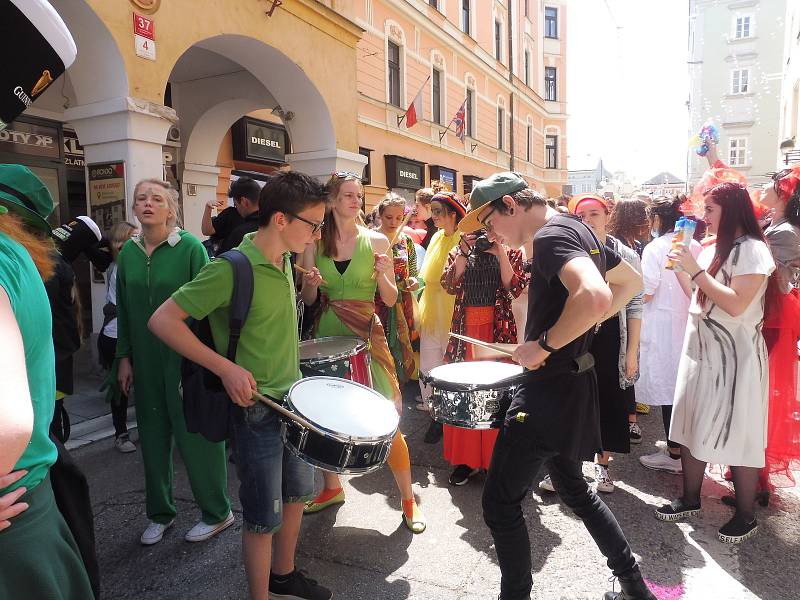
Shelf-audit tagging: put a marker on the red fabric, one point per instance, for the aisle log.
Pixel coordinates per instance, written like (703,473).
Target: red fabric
(472,447)
(781,332)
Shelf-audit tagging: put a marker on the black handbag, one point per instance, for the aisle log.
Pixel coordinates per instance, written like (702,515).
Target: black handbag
(207,408)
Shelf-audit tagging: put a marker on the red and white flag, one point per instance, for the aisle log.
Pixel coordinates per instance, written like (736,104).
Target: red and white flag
(414,112)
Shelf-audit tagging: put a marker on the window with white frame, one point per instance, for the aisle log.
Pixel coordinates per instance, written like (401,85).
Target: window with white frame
(393,68)
(469,110)
(466,13)
(436,86)
(737,151)
(550,86)
(740,81)
(551,151)
(529,144)
(501,117)
(743,28)
(550,22)
(528,68)
(498,40)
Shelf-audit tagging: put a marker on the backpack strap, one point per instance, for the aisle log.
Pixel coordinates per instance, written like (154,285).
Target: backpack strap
(241,297)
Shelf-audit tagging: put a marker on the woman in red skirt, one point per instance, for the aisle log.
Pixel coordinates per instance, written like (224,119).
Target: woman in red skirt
(484,283)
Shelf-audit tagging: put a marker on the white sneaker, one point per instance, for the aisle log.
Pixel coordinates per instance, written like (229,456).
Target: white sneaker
(203,531)
(124,444)
(154,533)
(546,484)
(661,461)
(604,482)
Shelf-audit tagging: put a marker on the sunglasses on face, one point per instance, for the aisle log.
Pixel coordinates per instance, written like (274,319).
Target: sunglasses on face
(315,227)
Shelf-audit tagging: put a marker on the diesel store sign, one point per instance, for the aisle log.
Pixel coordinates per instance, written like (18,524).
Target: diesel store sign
(259,141)
(404,173)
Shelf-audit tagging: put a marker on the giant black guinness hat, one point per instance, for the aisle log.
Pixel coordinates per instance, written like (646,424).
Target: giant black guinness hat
(36,48)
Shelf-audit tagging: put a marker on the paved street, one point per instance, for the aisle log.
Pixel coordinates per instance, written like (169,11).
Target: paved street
(362,551)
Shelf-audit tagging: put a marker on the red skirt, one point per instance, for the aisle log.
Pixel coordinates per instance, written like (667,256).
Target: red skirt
(472,447)
(781,331)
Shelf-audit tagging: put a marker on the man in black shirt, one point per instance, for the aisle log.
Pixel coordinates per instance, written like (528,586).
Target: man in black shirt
(553,417)
(229,227)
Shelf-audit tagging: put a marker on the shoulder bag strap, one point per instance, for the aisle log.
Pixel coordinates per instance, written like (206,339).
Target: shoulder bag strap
(241,297)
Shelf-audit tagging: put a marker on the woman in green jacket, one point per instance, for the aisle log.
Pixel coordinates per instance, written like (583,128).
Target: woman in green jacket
(150,267)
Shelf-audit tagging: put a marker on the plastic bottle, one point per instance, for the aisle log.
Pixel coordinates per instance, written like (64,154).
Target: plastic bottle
(684,233)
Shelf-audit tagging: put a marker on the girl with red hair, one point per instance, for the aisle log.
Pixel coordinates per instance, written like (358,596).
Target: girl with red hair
(720,410)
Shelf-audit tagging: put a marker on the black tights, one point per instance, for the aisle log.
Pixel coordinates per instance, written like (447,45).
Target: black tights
(745,483)
(666,417)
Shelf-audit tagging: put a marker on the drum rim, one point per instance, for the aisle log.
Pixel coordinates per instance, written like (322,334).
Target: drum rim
(455,386)
(361,347)
(327,466)
(335,434)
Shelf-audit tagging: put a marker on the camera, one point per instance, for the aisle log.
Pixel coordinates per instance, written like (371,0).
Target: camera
(483,243)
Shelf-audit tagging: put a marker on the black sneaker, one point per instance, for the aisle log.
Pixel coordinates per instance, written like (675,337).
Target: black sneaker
(737,530)
(296,586)
(461,474)
(434,433)
(635,433)
(677,511)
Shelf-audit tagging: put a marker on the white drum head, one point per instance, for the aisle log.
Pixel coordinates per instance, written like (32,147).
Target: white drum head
(344,407)
(329,346)
(479,372)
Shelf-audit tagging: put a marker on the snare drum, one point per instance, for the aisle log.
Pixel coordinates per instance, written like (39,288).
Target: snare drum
(471,394)
(353,425)
(345,357)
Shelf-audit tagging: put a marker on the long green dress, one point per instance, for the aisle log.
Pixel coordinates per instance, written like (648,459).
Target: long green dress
(356,283)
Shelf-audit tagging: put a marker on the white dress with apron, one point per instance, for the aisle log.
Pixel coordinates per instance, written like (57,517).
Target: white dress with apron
(720,409)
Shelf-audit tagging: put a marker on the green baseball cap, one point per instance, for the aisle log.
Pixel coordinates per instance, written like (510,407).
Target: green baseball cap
(487,190)
(24,193)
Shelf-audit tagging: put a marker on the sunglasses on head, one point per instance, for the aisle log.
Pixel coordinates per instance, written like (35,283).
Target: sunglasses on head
(345,174)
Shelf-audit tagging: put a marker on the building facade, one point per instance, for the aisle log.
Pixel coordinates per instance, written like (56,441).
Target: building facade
(790,88)
(664,184)
(736,59)
(503,60)
(160,89)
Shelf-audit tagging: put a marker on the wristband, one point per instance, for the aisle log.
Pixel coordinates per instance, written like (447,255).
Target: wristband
(543,343)
(696,275)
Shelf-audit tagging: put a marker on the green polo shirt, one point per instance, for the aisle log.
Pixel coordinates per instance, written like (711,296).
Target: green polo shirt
(269,344)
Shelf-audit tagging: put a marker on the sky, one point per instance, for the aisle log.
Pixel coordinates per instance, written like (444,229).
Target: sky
(627,86)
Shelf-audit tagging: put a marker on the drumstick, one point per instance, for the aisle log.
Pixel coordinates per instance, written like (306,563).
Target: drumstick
(306,271)
(287,413)
(501,348)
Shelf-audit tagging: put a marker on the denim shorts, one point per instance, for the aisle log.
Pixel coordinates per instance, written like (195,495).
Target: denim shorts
(269,474)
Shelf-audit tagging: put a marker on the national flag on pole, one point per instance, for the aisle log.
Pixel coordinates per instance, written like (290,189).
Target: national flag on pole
(414,112)
(460,121)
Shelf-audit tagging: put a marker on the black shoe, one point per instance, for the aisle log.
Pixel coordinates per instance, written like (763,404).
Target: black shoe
(737,530)
(296,586)
(434,433)
(677,511)
(461,474)
(762,498)
(633,588)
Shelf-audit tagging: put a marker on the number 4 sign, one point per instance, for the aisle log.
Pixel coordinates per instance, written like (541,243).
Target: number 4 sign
(144,35)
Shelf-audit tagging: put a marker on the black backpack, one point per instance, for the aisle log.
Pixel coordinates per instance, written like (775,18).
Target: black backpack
(206,405)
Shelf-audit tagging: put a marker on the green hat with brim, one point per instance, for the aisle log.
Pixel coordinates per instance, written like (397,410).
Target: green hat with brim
(23,193)
(486,191)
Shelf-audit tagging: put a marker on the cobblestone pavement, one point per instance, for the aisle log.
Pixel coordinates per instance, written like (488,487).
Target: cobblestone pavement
(362,551)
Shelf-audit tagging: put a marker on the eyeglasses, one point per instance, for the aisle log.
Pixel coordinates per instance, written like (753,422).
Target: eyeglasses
(483,221)
(315,227)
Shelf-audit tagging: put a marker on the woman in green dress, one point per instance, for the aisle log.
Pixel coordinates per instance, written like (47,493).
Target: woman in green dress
(352,260)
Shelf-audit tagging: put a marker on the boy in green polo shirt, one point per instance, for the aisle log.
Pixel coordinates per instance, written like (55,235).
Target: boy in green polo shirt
(274,483)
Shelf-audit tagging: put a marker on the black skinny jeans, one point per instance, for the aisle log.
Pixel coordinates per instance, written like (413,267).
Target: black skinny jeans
(516,461)
(106,348)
